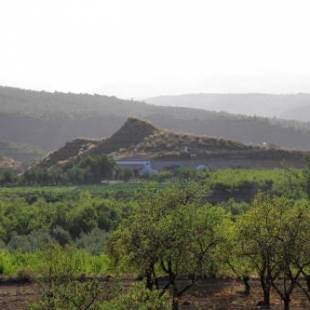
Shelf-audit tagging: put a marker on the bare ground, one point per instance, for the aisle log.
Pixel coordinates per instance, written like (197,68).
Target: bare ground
(209,294)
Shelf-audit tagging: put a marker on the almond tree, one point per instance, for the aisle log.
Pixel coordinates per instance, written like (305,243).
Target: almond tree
(275,236)
(172,234)
(293,251)
(258,236)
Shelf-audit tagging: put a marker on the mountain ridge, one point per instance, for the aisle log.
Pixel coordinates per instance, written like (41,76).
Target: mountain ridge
(140,139)
(48,120)
(260,104)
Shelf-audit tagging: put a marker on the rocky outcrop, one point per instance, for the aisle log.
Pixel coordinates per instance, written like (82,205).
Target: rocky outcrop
(9,163)
(140,139)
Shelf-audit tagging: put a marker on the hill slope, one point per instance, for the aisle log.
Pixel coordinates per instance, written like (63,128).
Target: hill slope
(266,105)
(48,120)
(301,113)
(21,152)
(9,163)
(140,139)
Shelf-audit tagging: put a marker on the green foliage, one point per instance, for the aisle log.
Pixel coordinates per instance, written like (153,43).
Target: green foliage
(96,168)
(139,298)
(13,262)
(63,289)
(158,229)
(170,233)
(93,242)
(27,226)
(124,174)
(274,237)
(8,176)
(88,170)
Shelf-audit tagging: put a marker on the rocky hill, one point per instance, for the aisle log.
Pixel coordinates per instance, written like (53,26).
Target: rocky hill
(69,152)
(140,139)
(49,120)
(9,163)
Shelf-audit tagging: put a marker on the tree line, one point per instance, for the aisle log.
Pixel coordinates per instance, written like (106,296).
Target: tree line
(172,234)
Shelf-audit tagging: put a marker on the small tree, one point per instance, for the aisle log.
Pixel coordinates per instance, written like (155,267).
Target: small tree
(293,250)
(170,233)
(275,237)
(124,174)
(257,235)
(231,256)
(64,290)
(98,166)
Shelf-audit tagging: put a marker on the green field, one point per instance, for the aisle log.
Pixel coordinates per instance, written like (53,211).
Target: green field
(165,226)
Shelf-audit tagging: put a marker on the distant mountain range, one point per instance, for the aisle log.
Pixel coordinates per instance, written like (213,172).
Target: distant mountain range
(292,107)
(48,120)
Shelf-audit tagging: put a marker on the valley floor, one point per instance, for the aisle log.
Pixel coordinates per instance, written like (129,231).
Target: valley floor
(209,294)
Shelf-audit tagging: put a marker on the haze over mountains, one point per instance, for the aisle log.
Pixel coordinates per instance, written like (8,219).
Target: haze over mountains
(46,121)
(292,107)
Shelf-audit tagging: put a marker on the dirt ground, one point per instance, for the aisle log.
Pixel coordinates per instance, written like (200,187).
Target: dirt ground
(227,294)
(209,294)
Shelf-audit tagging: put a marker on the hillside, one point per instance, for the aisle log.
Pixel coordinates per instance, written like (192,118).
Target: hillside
(140,139)
(290,107)
(48,120)
(69,152)
(301,113)
(9,163)
(21,152)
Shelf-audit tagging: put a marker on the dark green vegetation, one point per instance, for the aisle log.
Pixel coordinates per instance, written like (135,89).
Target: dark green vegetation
(171,232)
(48,120)
(88,169)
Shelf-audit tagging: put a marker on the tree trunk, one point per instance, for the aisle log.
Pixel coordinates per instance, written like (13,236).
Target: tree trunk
(307,278)
(266,286)
(175,303)
(267,297)
(286,304)
(149,280)
(247,287)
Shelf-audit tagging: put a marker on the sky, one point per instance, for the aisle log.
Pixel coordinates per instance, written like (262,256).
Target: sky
(143,48)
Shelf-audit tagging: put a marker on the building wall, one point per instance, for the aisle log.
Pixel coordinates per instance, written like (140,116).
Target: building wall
(217,163)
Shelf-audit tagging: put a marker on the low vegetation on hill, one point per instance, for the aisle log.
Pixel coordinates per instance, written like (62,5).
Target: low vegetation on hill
(69,152)
(133,132)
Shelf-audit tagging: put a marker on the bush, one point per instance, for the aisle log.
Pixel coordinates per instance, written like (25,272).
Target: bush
(138,298)
(93,242)
(61,236)
(63,289)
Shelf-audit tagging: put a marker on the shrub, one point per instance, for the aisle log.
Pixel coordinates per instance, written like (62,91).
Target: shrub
(138,298)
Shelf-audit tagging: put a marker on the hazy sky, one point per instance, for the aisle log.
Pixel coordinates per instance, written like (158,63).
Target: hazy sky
(140,48)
